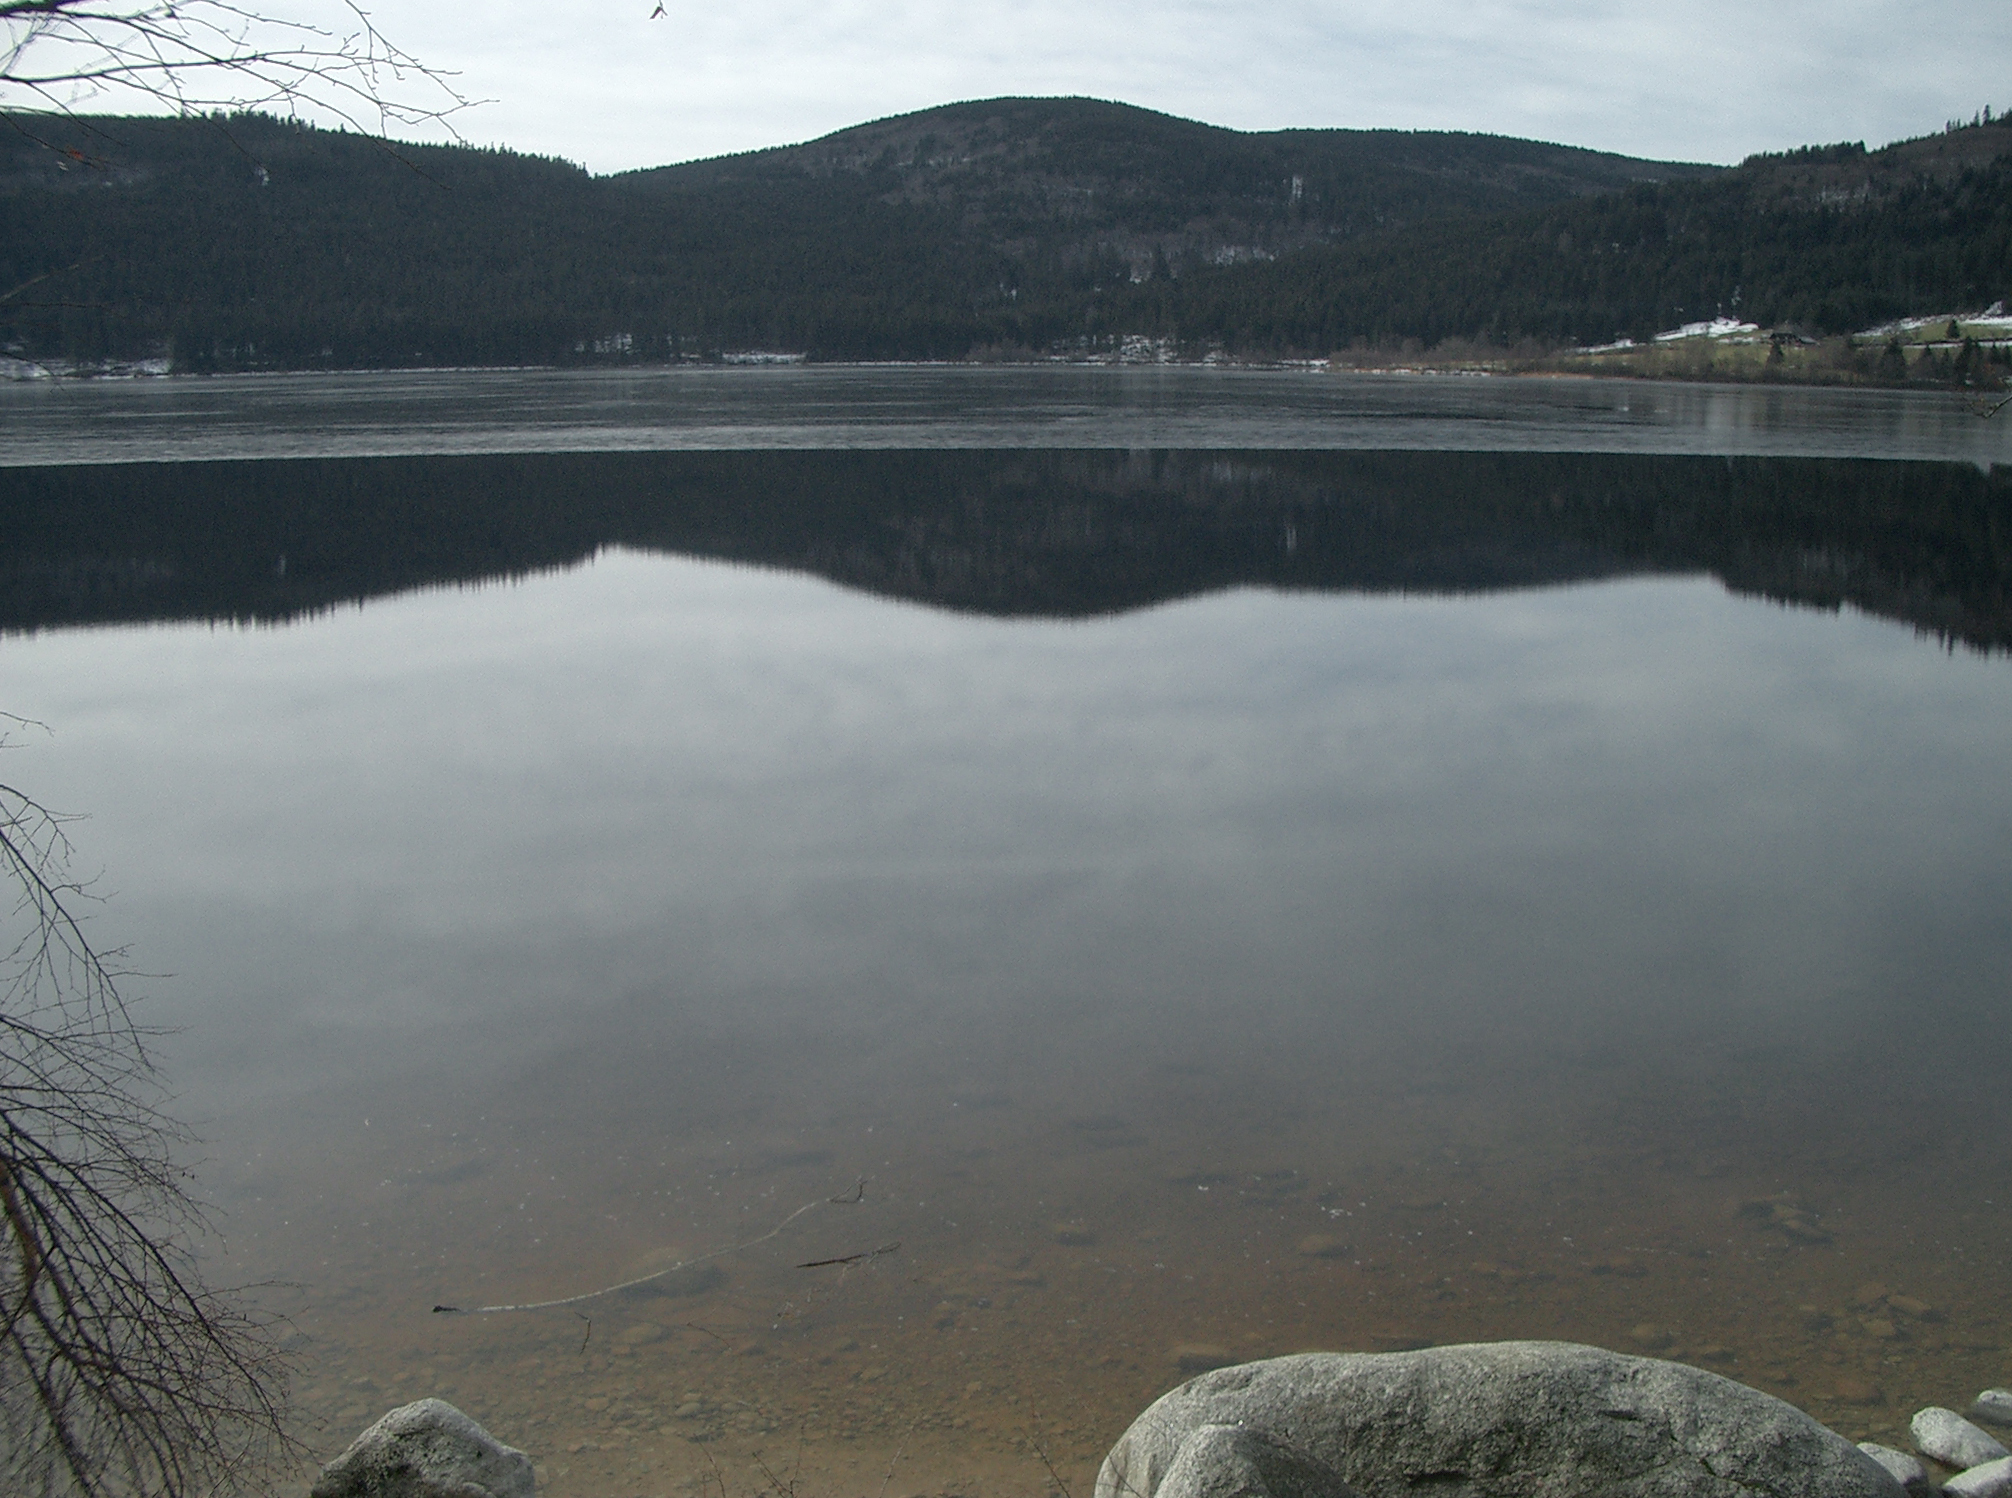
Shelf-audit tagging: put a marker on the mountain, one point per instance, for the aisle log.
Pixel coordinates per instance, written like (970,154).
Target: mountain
(1824,239)
(1006,228)
(249,242)
(1037,180)
(1010,534)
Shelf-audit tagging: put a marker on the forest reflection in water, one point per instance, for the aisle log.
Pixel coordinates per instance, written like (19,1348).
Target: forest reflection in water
(1376,942)
(1012,533)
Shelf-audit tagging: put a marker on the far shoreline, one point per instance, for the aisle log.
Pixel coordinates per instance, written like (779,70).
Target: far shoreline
(1564,367)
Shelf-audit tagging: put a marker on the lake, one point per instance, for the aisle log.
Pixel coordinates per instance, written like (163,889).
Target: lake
(1168,867)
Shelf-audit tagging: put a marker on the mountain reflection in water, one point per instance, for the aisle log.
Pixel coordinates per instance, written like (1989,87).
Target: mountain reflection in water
(1382,946)
(1062,534)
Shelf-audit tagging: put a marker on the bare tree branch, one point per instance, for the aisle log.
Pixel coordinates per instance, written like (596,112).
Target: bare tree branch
(120,1372)
(199,56)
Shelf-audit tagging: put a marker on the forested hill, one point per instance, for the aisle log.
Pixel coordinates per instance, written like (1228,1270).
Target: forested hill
(1825,239)
(1002,228)
(1048,180)
(251,242)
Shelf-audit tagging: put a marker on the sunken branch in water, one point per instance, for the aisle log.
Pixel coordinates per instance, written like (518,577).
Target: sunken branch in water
(851,1198)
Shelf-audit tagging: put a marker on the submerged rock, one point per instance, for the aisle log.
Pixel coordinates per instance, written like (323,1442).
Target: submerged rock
(1906,1469)
(1787,1215)
(1989,1480)
(427,1450)
(1653,1336)
(1200,1357)
(1993,1406)
(1951,1439)
(1553,1418)
(1324,1246)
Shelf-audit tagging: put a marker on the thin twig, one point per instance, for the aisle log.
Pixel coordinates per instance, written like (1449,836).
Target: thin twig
(718,1476)
(860,1257)
(787,1489)
(1041,1451)
(895,1460)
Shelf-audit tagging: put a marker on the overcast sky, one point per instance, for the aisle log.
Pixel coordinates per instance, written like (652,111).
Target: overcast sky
(1711,80)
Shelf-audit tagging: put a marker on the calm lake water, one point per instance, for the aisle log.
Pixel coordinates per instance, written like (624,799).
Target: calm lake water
(1542,874)
(315,415)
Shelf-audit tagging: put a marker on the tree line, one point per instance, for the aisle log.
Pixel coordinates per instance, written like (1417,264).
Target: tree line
(245,242)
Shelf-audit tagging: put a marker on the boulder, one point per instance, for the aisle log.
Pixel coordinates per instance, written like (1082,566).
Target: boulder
(1491,1420)
(427,1450)
(1993,1406)
(1991,1480)
(1951,1439)
(1907,1470)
